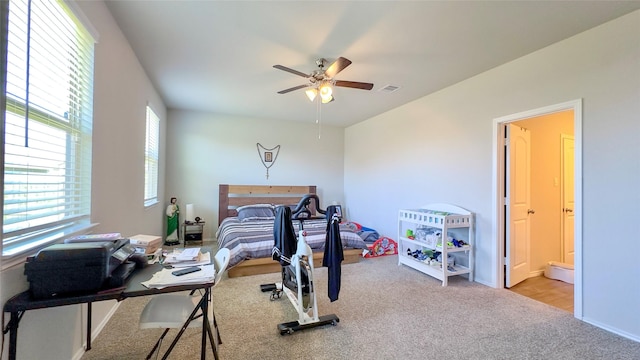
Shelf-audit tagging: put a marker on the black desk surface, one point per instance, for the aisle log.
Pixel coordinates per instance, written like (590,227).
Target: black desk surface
(24,300)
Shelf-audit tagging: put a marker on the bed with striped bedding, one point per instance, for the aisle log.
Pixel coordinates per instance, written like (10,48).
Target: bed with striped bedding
(254,239)
(250,241)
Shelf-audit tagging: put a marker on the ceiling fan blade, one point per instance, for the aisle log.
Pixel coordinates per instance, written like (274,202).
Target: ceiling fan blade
(337,66)
(293,88)
(296,72)
(354,84)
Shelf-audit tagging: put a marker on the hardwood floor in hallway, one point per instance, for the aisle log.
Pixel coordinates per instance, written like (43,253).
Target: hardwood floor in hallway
(549,291)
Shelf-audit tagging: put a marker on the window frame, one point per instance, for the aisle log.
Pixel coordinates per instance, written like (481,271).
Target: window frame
(24,240)
(151,157)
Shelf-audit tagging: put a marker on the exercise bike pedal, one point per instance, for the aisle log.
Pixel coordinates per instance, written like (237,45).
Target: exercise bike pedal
(275,294)
(268,287)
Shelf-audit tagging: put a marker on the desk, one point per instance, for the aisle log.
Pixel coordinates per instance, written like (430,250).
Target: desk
(22,302)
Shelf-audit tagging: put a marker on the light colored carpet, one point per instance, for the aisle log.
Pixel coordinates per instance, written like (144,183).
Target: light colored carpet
(386,312)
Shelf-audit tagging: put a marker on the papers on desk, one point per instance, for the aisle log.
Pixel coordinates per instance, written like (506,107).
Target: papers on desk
(187,257)
(165,278)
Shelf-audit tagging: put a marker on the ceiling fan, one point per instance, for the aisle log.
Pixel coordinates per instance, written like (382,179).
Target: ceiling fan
(322,81)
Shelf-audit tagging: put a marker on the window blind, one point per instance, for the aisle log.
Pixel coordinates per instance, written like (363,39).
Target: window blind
(48,123)
(151,155)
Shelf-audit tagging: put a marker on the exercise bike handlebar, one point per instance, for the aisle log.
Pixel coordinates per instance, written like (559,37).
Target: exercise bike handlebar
(303,207)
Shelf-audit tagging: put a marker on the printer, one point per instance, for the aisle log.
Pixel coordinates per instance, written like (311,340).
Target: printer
(80,267)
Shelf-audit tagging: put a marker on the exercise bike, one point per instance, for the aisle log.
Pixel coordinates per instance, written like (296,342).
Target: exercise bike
(296,258)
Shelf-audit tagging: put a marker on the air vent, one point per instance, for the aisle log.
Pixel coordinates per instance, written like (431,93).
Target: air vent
(389,88)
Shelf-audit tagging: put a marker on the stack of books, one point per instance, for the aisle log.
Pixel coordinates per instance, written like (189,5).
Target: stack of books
(93,238)
(148,245)
(187,257)
(180,259)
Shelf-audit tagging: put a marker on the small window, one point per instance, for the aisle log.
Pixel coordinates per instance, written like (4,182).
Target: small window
(48,119)
(151,158)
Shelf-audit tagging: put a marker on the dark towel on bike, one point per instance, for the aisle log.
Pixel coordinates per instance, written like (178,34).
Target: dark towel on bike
(285,242)
(333,255)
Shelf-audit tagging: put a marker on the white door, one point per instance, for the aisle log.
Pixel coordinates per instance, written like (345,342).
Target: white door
(518,204)
(568,149)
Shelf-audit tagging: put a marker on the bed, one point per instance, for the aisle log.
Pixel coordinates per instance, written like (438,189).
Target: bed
(248,234)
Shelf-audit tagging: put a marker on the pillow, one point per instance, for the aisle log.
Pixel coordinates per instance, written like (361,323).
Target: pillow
(292,207)
(256,212)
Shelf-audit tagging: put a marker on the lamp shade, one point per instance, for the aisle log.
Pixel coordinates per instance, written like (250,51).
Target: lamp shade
(325,92)
(190,213)
(327,100)
(311,93)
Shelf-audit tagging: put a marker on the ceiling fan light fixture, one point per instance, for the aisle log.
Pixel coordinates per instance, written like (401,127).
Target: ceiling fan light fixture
(325,92)
(311,93)
(321,81)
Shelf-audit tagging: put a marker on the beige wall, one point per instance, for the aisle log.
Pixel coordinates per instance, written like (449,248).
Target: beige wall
(205,150)
(439,148)
(435,149)
(121,94)
(546,186)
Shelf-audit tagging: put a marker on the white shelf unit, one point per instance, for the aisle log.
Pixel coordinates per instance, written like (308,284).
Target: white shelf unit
(445,218)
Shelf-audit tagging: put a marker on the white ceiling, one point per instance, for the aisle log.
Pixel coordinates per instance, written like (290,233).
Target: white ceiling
(218,56)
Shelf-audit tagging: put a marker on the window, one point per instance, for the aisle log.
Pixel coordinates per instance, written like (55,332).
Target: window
(48,125)
(151,158)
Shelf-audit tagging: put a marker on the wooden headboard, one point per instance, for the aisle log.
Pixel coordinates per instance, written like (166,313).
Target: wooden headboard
(233,196)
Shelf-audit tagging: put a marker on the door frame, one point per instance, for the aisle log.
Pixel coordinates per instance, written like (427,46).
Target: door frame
(498,186)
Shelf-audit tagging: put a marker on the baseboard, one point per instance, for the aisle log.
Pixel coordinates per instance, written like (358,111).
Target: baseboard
(536,273)
(484,282)
(634,337)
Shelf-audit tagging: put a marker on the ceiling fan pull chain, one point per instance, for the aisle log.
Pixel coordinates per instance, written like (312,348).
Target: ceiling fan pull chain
(319,116)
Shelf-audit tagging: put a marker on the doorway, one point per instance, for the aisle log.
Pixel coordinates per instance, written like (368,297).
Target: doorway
(544,221)
(549,291)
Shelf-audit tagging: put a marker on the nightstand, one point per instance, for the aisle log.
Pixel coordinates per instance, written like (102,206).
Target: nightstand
(192,232)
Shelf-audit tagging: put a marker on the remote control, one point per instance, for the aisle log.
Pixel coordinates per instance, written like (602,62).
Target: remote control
(188,270)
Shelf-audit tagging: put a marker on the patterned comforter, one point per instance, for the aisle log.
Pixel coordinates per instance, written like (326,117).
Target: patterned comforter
(254,239)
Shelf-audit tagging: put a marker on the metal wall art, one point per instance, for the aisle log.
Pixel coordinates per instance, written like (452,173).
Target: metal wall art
(268,157)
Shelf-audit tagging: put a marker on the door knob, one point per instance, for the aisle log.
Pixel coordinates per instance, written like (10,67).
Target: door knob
(567,210)
(531,211)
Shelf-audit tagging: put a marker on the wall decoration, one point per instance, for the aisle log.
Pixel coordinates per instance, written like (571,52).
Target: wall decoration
(268,156)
